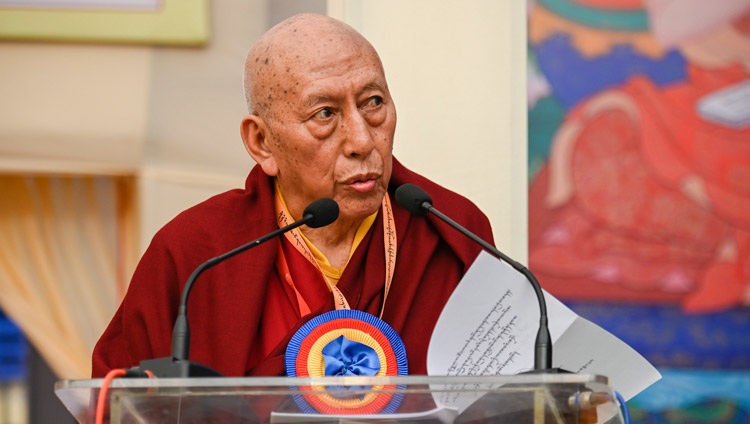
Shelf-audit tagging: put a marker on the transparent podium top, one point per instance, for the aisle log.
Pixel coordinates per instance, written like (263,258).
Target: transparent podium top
(532,398)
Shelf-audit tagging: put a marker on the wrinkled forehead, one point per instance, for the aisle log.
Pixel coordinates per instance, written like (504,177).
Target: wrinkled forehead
(302,45)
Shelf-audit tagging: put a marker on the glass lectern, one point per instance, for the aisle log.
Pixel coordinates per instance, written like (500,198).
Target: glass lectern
(527,398)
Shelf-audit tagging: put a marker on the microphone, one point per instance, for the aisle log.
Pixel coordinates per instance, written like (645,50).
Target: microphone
(317,214)
(418,202)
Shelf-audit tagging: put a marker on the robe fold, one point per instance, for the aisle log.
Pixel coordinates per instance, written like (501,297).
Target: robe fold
(242,314)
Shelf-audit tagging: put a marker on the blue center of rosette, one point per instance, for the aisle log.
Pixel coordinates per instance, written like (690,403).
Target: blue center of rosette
(344,357)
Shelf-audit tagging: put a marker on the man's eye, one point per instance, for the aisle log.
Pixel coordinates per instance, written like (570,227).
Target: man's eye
(324,113)
(374,101)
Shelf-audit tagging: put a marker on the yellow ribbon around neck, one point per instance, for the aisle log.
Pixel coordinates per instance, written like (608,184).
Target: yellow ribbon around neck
(295,237)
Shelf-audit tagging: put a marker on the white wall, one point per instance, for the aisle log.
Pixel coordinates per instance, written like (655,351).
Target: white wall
(169,115)
(81,108)
(196,103)
(456,70)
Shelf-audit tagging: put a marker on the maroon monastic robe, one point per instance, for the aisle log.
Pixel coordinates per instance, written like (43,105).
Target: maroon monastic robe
(242,314)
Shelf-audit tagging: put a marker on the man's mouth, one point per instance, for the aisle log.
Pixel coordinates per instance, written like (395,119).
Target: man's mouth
(363,183)
(363,186)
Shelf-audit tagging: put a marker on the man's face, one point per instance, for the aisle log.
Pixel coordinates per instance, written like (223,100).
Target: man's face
(331,125)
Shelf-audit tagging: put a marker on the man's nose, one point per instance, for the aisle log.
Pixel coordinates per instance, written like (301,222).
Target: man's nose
(358,132)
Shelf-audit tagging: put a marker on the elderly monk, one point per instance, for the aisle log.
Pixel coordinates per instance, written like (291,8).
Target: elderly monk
(321,124)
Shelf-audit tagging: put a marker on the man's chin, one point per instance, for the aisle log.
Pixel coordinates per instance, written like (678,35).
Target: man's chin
(359,210)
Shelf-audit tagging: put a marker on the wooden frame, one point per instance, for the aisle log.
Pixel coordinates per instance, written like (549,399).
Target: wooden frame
(174,22)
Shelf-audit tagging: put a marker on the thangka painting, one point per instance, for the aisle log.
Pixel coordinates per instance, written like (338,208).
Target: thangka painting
(639,187)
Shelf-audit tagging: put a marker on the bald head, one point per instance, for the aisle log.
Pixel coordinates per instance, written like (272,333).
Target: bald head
(290,50)
(322,119)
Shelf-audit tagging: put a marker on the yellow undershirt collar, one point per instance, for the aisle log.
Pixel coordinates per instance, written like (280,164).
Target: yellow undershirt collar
(329,270)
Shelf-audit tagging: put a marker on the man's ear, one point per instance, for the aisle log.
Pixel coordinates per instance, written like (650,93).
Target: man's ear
(253,131)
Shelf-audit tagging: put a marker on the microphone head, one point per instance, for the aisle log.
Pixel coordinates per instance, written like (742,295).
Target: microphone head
(412,198)
(323,211)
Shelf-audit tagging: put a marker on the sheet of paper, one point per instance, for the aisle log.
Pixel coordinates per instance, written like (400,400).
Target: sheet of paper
(586,348)
(490,322)
(489,325)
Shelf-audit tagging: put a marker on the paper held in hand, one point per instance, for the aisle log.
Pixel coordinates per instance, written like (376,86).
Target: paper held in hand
(489,325)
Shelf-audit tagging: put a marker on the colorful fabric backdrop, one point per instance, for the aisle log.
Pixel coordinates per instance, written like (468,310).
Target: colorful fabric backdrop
(639,201)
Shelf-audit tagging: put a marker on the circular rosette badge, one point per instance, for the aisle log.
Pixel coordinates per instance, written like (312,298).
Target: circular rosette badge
(347,343)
